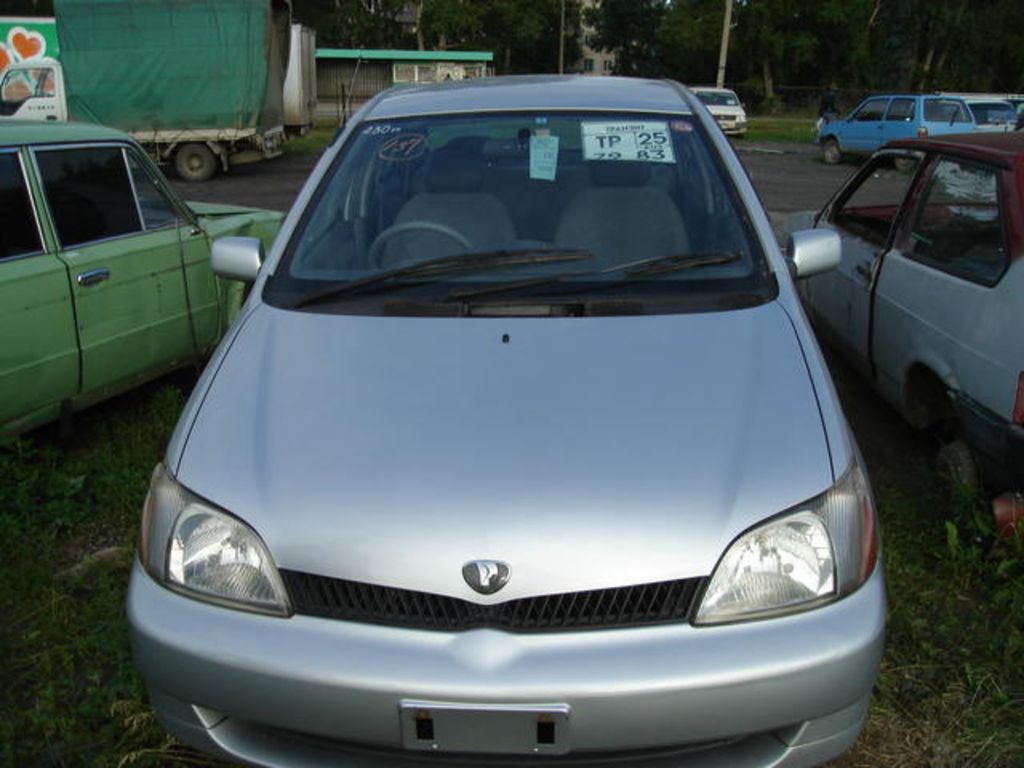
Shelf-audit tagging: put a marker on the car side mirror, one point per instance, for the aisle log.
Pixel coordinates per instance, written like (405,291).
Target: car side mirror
(237,258)
(813,251)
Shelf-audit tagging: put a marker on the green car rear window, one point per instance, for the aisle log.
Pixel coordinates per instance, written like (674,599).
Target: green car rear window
(19,235)
(89,193)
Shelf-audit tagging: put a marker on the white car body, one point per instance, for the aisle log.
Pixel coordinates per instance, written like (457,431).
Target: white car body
(726,107)
(925,301)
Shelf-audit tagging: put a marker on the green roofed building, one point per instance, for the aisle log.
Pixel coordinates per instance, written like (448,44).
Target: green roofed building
(348,77)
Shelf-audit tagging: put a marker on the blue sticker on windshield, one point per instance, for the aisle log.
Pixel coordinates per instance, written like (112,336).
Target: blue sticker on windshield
(543,157)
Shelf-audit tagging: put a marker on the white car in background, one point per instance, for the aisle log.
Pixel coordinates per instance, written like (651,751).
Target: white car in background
(996,115)
(725,106)
(986,102)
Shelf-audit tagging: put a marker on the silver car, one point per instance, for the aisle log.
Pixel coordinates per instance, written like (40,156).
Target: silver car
(521,450)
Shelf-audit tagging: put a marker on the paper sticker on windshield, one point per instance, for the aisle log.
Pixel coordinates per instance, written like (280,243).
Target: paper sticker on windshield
(640,141)
(543,157)
(404,146)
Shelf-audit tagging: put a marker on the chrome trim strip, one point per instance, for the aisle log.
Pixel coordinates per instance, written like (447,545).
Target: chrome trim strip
(135,191)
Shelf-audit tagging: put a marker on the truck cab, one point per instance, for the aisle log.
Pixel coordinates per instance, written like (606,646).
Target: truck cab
(33,90)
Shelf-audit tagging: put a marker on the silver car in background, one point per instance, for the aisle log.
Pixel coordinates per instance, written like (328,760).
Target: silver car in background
(521,451)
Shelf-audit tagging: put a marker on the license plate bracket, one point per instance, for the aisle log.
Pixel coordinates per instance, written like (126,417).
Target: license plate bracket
(511,729)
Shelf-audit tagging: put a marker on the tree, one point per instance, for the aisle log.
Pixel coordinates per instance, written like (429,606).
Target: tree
(688,41)
(524,33)
(28,8)
(448,23)
(354,23)
(779,36)
(630,29)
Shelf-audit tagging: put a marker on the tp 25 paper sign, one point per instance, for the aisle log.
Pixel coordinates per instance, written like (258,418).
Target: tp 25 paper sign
(640,141)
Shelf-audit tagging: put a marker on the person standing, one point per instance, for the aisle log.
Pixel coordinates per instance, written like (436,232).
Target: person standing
(827,109)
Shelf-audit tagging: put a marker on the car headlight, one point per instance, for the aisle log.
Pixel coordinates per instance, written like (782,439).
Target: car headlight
(190,546)
(812,554)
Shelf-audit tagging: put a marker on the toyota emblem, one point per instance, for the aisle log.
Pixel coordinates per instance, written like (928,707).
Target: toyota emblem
(486,576)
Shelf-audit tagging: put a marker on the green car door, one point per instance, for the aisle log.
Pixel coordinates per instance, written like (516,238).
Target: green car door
(125,265)
(38,344)
(159,208)
(105,275)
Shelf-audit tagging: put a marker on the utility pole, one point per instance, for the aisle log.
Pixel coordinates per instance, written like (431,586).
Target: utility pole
(720,80)
(561,42)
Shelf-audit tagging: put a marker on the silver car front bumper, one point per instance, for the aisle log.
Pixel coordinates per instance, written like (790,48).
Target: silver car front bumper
(312,692)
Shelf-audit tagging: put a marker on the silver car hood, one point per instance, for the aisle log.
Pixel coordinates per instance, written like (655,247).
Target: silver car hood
(584,452)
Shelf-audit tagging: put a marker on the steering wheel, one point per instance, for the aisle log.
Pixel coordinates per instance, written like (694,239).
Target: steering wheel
(410,226)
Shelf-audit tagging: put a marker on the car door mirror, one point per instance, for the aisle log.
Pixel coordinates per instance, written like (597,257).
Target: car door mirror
(813,251)
(237,258)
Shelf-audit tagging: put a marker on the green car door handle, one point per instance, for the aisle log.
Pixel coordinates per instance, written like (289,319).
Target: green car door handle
(92,277)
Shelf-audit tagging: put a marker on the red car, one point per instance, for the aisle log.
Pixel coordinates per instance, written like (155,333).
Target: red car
(927,298)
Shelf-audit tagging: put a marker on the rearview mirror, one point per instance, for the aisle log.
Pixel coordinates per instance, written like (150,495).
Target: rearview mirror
(237,258)
(813,251)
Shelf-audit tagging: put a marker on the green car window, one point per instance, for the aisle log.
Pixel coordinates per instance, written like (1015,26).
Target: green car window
(89,193)
(19,234)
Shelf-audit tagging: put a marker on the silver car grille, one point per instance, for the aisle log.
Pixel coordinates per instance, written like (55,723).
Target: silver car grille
(643,604)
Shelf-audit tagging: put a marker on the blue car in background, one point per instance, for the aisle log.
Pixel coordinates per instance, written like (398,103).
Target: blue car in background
(879,119)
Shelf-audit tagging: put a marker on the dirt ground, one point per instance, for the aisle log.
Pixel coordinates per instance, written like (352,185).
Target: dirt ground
(270,184)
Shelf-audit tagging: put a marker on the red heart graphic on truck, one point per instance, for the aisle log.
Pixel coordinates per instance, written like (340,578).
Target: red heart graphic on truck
(5,59)
(27,44)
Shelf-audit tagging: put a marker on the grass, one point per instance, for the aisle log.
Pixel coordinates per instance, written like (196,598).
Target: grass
(790,130)
(70,694)
(951,692)
(312,141)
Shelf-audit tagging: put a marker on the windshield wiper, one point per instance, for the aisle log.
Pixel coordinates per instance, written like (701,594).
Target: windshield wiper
(650,267)
(459,262)
(676,262)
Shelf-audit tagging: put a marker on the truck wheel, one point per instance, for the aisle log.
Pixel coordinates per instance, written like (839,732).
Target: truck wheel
(831,152)
(195,162)
(958,466)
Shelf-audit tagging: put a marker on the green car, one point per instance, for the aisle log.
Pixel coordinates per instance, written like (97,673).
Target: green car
(105,276)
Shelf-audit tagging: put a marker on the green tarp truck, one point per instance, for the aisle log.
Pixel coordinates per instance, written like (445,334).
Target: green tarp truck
(198,82)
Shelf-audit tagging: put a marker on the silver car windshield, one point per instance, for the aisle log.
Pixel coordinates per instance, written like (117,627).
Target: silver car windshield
(543,203)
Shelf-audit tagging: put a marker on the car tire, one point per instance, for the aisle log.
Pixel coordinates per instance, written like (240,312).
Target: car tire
(195,162)
(957,465)
(831,152)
